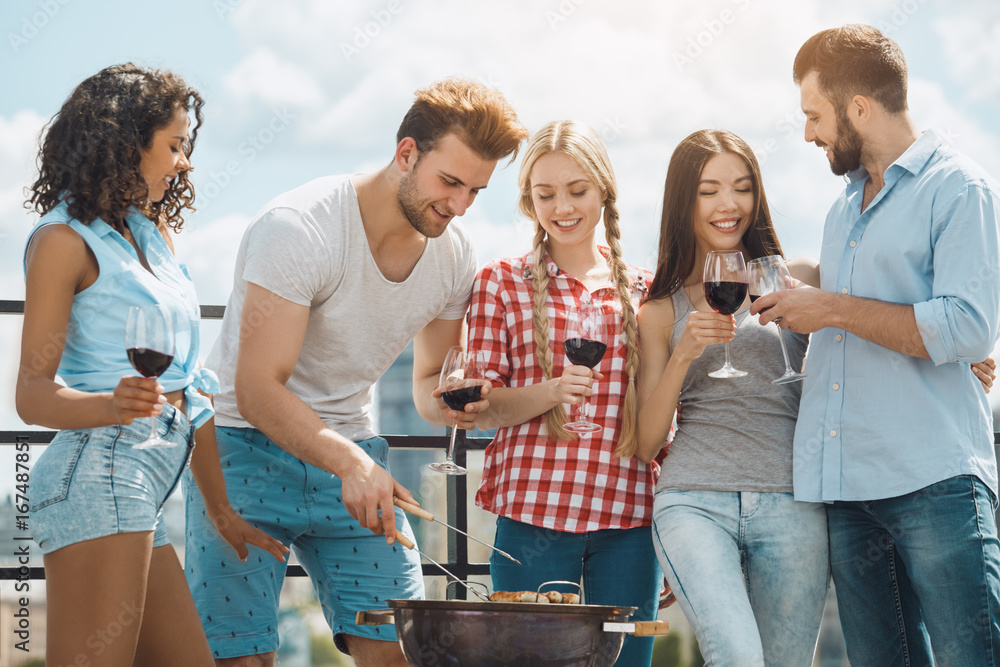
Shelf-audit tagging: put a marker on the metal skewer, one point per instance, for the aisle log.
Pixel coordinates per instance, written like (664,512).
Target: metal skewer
(424,514)
(408,543)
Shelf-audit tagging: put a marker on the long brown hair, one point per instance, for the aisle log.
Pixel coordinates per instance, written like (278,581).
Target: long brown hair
(677,241)
(585,147)
(90,153)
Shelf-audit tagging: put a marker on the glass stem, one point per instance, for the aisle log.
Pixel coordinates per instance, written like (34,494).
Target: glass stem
(784,350)
(152,422)
(451,445)
(728,365)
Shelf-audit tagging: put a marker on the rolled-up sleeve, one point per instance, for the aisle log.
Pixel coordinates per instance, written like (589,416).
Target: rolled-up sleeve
(962,320)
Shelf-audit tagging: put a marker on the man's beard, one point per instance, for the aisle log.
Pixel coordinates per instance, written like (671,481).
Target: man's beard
(411,205)
(846,150)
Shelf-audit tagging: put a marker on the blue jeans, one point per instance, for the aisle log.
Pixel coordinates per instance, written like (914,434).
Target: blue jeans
(917,571)
(617,566)
(750,571)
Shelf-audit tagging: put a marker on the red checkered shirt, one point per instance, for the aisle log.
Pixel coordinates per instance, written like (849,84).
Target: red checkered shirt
(577,486)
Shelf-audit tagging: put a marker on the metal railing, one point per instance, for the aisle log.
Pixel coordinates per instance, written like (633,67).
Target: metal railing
(456,491)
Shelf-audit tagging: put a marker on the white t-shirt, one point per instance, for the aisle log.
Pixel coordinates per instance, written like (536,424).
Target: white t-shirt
(309,246)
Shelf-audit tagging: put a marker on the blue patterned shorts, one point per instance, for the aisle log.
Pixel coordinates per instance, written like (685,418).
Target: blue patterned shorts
(350,567)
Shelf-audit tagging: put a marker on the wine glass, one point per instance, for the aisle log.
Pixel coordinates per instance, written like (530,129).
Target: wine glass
(725,281)
(149,343)
(461,383)
(585,345)
(765,275)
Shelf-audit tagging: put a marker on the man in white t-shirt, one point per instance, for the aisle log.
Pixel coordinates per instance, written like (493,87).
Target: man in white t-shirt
(333,279)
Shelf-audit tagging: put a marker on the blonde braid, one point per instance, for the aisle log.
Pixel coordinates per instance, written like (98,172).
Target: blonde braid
(628,439)
(555,417)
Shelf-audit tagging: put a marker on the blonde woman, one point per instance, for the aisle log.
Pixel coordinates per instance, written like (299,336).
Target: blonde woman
(570,508)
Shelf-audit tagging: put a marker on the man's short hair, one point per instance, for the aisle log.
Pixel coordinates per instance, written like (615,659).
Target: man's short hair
(480,116)
(855,59)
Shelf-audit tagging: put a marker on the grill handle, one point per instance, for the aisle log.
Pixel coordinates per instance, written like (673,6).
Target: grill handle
(639,628)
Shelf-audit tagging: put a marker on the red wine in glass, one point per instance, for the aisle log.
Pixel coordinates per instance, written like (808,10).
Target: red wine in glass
(725,281)
(584,346)
(583,352)
(149,343)
(149,363)
(725,296)
(461,382)
(457,399)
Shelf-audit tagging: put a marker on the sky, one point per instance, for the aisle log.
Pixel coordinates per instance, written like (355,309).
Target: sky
(295,90)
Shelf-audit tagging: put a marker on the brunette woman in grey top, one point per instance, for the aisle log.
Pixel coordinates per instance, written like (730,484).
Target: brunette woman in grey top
(747,563)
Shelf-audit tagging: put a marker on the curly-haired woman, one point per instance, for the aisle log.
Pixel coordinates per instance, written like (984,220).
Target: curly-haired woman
(112,183)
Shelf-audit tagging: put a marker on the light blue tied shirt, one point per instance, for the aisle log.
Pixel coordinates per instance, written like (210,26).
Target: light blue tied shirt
(874,423)
(94,357)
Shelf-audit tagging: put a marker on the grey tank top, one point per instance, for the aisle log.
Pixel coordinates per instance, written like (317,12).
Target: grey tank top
(735,434)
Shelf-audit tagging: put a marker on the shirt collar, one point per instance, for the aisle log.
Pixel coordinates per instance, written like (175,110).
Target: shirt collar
(920,151)
(912,160)
(134,218)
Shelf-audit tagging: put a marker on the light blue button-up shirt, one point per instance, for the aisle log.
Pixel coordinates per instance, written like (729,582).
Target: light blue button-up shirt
(94,357)
(874,423)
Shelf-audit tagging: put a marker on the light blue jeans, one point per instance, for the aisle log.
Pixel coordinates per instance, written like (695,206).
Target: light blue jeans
(919,571)
(750,571)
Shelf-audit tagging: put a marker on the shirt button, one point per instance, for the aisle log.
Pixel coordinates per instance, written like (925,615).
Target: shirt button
(839,338)
(836,386)
(854,243)
(833,434)
(843,291)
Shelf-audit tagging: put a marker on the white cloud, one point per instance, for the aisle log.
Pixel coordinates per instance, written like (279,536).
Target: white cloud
(209,251)
(969,35)
(268,78)
(932,107)
(18,146)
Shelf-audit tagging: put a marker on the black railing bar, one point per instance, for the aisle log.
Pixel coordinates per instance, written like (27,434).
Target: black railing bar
(14,307)
(41,437)
(469,569)
(458,514)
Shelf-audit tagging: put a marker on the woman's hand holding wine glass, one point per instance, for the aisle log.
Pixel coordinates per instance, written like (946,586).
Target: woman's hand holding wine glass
(701,330)
(725,281)
(585,345)
(149,343)
(136,398)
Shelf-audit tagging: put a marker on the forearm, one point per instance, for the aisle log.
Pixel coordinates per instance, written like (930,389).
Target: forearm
(890,325)
(510,406)
(207,468)
(656,411)
(288,421)
(42,402)
(427,405)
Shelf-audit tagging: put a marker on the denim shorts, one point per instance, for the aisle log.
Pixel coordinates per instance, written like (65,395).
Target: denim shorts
(351,568)
(92,483)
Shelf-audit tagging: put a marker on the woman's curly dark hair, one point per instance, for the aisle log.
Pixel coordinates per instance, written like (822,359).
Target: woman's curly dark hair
(90,152)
